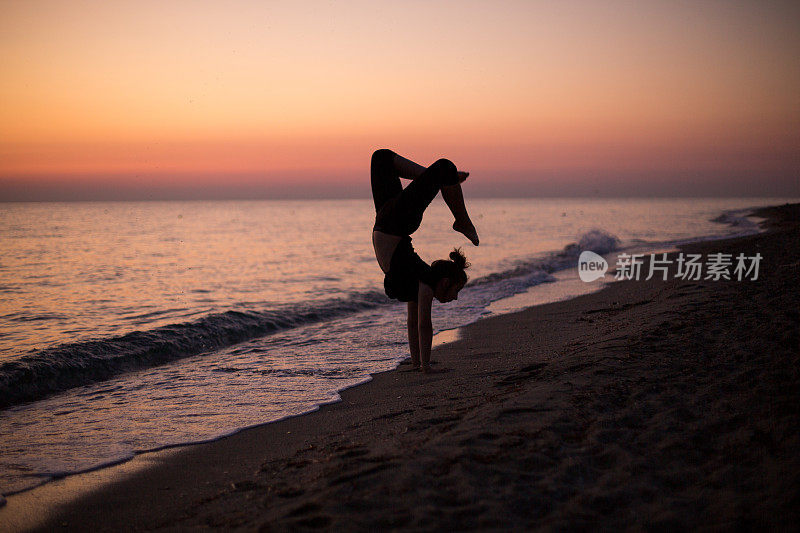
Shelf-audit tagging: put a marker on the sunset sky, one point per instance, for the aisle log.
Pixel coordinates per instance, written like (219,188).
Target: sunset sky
(207,99)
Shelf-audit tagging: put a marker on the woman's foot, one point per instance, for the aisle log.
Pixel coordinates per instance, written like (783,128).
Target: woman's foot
(468,229)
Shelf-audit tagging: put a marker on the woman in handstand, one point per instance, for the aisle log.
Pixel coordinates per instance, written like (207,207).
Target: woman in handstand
(398,215)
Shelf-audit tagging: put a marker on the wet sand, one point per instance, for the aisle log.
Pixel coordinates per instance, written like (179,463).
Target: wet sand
(647,405)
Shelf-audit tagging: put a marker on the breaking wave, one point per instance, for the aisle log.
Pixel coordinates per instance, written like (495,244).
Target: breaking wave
(35,376)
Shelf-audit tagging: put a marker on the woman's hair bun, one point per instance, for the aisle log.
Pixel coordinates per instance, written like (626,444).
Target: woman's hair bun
(458,257)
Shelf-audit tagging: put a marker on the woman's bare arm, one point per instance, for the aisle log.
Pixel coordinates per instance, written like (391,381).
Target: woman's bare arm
(413,334)
(424,326)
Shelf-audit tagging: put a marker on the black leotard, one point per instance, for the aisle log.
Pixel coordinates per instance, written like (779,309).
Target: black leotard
(406,271)
(399,212)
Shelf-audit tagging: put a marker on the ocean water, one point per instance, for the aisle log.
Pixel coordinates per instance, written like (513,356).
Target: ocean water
(128,327)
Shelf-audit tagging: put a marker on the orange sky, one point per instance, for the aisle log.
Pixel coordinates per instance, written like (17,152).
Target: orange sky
(537,97)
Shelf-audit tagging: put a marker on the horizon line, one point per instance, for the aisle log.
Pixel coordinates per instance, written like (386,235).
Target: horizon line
(361,197)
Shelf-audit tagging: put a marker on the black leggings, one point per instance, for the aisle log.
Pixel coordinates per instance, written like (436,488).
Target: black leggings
(398,210)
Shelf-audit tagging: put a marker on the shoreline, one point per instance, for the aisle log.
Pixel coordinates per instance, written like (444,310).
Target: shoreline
(254,476)
(138,347)
(568,286)
(511,304)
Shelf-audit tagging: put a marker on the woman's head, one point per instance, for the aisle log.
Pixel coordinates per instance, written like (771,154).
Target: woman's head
(450,276)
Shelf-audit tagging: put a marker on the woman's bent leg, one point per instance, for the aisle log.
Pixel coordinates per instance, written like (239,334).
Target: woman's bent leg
(407,168)
(454,198)
(418,195)
(385,169)
(404,214)
(384,177)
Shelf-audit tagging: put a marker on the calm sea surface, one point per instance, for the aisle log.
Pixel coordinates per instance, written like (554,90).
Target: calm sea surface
(125,327)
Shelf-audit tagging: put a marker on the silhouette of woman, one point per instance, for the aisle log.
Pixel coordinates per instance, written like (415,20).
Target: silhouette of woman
(398,214)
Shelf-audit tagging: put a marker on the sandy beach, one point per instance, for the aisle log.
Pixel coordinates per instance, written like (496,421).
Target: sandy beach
(647,405)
